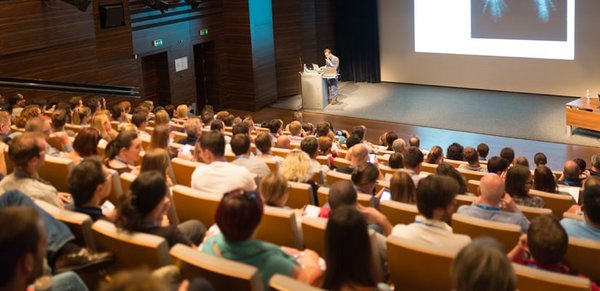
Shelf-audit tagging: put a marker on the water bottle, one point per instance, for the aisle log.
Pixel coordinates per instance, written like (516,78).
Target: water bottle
(587,94)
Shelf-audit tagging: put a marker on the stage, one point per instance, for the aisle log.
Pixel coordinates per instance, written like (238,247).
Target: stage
(506,114)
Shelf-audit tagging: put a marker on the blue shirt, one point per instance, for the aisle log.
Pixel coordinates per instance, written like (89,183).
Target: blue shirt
(495,214)
(578,228)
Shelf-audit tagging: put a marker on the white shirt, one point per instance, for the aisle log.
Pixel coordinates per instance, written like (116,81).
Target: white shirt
(431,232)
(221,177)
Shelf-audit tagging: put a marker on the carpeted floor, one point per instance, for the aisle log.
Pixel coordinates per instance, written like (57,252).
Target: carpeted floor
(527,116)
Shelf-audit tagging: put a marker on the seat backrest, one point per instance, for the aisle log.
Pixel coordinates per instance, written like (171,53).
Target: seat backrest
(559,203)
(177,136)
(455,163)
(539,280)
(56,170)
(191,204)
(323,195)
(582,255)
(116,190)
(472,186)
(183,170)
(284,283)
(279,226)
(417,267)
(73,127)
(506,234)
(335,176)
(272,164)
(341,162)
(472,175)
(322,159)
(10,166)
(80,224)
(398,213)
(429,168)
(313,232)
(532,212)
(462,199)
(222,273)
(132,250)
(385,170)
(126,180)
(280,152)
(300,195)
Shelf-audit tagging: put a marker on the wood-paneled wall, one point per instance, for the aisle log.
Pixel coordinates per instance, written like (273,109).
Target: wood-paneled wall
(52,40)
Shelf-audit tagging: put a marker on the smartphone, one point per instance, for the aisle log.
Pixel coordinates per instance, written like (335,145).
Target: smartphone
(372,158)
(186,149)
(386,195)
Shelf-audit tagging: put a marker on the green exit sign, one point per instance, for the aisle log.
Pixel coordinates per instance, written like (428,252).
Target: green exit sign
(204,32)
(157,42)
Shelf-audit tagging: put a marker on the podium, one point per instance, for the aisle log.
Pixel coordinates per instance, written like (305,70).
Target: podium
(314,90)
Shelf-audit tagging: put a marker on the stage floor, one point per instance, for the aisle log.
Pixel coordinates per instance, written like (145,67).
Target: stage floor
(516,115)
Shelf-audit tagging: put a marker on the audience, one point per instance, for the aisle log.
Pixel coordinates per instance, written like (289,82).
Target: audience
(589,227)
(518,182)
(358,155)
(101,122)
(595,165)
(446,169)
(85,144)
(347,268)
(435,155)
(481,265)
(237,217)
(122,153)
(472,158)
(435,201)
(539,159)
(144,209)
(570,176)
(90,184)
(264,142)
(544,180)
(455,152)
(218,176)
(521,160)
(364,178)
(402,188)
(497,165)
(193,129)
(240,145)
(413,158)
(274,190)
(396,161)
(508,154)
(483,150)
(493,204)
(296,167)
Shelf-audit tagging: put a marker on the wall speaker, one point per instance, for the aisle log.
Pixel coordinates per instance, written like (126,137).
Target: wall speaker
(111,15)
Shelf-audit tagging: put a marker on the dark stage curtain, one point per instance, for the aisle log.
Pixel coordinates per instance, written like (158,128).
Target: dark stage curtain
(357,40)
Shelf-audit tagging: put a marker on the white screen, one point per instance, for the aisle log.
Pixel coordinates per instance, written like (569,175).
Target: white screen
(436,42)
(446,27)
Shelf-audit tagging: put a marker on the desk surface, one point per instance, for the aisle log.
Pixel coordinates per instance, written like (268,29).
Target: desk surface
(585,103)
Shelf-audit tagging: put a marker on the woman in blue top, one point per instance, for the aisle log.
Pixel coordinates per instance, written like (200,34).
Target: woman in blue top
(237,217)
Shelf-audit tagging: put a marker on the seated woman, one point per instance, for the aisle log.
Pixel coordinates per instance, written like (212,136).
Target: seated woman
(364,178)
(29,112)
(544,180)
(145,208)
(446,169)
(403,188)
(101,122)
(274,190)
(350,263)
(237,217)
(159,139)
(85,144)
(518,181)
(435,155)
(122,153)
(157,160)
(81,116)
(297,167)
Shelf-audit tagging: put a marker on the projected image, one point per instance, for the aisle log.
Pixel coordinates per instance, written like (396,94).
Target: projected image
(543,29)
(519,19)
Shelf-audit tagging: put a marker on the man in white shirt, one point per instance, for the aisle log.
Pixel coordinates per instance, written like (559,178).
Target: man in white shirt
(435,200)
(219,176)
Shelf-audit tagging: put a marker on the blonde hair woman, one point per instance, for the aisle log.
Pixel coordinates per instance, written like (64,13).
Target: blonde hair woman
(81,115)
(274,189)
(296,166)
(161,117)
(101,122)
(182,111)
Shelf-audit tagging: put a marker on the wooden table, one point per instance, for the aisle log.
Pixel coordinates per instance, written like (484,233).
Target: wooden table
(584,113)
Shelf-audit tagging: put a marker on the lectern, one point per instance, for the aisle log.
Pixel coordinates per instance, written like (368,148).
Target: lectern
(314,90)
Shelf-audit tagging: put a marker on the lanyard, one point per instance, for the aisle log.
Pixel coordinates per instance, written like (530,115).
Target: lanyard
(488,207)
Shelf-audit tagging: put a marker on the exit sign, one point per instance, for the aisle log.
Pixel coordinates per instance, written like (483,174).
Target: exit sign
(157,42)
(204,32)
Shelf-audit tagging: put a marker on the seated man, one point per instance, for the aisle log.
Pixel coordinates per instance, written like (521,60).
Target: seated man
(140,120)
(483,150)
(435,201)
(240,144)
(494,204)
(264,142)
(472,157)
(219,176)
(570,176)
(310,145)
(61,251)
(193,128)
(24,240)
(544,247)
(296,131)
(90,183)
(589,227)
(28,153)
(358,155)
(413,158)
(43,126)
(498,165)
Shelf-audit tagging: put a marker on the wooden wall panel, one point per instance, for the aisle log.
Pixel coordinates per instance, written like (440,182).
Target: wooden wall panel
(287,30)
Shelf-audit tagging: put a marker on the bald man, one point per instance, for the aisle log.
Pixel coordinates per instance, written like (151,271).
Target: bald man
(570,176)
(359,154)
(494,204)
